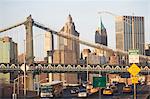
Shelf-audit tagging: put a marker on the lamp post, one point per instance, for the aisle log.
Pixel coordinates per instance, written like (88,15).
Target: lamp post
(87,71)
(24,67)
(14,96)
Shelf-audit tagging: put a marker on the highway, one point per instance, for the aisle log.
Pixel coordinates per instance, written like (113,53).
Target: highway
(142,92)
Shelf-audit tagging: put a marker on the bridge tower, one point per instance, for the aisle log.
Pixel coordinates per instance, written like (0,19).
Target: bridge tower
(29,49)
(29,40)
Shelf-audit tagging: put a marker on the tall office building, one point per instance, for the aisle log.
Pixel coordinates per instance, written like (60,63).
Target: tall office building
(101,35)
(8,50)
(69,45)
(101,38)
(68,51)
(8,54)
(130,33)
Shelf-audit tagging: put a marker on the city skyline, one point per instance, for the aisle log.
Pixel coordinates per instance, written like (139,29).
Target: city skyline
(84,13)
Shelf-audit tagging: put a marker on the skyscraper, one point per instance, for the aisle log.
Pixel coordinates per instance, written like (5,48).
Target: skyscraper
(130,33)
(101,35)
(68,52)
(8,50)
(8,54)
(69,45)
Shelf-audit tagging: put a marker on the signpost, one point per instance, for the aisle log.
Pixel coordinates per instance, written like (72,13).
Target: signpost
(134,69)
(134,56)
(134,79)
(99,82)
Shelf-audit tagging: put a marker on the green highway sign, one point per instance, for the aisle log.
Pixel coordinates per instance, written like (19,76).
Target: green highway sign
(134,52)
(99,82)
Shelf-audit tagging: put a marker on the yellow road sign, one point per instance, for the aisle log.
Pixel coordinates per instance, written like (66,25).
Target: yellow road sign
(134,69)
(134,79)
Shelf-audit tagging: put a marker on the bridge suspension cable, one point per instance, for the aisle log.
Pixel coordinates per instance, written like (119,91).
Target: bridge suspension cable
(11,27)
(65,35)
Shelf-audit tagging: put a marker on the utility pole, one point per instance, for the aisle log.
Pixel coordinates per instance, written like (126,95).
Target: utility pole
(87,70)
(25,69)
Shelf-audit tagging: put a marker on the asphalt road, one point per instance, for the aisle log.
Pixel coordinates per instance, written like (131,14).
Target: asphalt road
(142,92)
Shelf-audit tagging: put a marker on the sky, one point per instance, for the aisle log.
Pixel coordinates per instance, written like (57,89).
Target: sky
(53,13)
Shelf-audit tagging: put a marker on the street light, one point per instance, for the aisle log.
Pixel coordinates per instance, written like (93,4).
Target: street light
(24,67)
(87,72)
(14,87)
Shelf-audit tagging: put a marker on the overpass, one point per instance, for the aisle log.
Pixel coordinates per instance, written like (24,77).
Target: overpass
(48,68)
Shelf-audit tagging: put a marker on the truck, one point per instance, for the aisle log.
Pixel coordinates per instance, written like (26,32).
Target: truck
(51,89)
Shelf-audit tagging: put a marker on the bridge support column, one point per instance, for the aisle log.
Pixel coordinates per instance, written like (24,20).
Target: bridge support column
(30,81)
(29,59)
(29,40)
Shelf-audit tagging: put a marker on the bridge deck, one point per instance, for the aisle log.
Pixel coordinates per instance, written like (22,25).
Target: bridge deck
(70,68)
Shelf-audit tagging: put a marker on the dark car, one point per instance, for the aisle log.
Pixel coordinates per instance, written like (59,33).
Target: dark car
(114,89)
(74,90)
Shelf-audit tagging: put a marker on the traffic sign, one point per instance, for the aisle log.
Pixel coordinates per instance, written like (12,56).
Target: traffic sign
(134,69)
(99,82)
(134,79)
(134,56)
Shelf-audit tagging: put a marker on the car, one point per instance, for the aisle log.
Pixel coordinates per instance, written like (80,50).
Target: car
(107,91)
(114,89)
(74,90)
(82,93)
(46,93)
(127,89)
(84,84)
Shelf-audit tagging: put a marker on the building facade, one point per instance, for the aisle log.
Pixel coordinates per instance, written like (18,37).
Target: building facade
(130,33)
(68,52)
(101,35)
(69,44)
(8,54)
(8,50)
